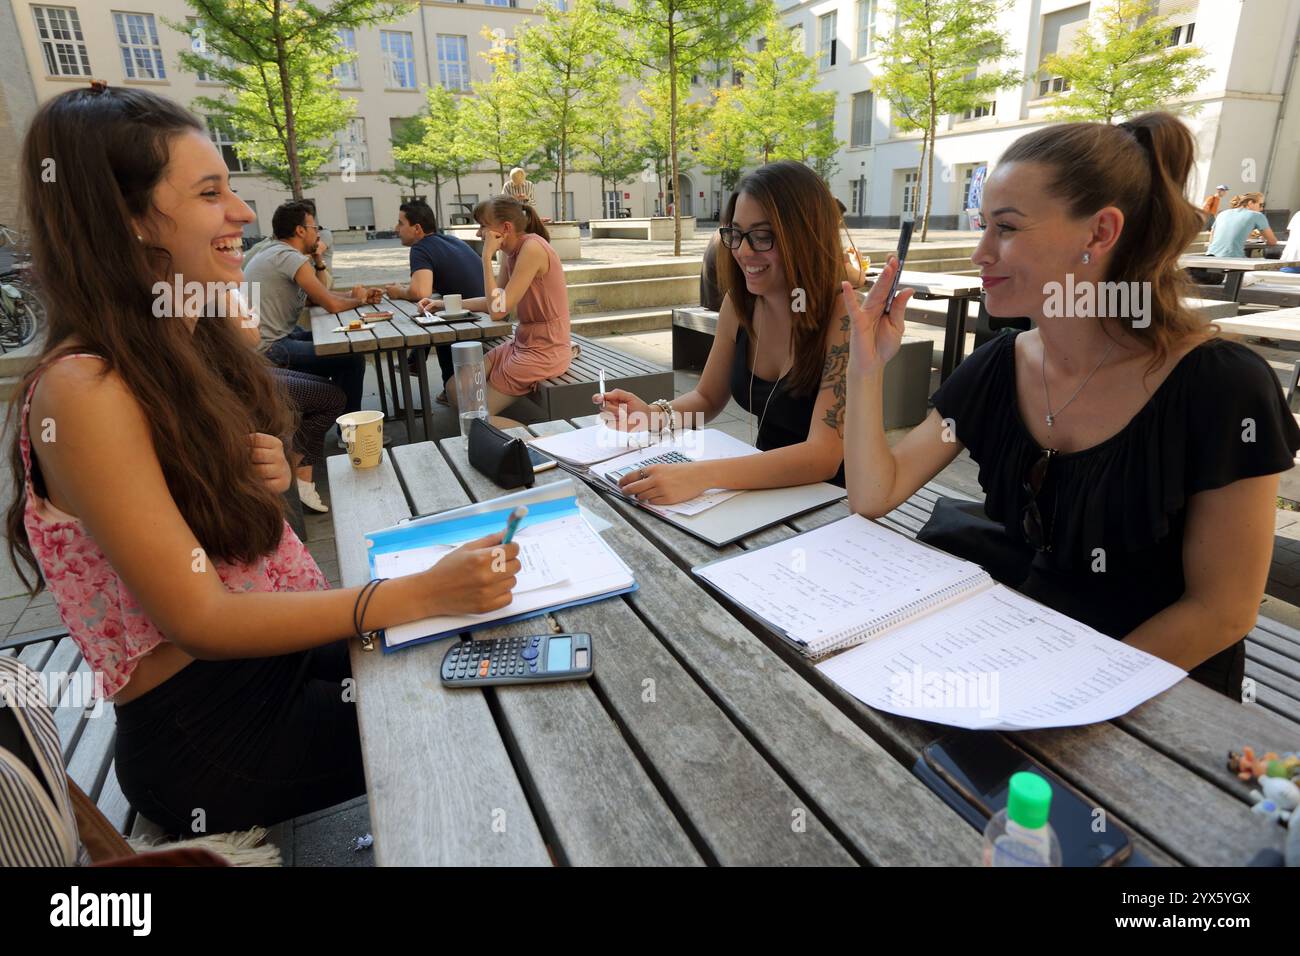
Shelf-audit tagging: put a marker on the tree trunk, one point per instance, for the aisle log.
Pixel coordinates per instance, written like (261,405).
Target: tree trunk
(672,138)
(920,172)
(286,95)
(437,200)
(459,192)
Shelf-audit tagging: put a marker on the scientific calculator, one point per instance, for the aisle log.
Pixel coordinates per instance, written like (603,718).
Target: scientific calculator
(667,458)
(518,660)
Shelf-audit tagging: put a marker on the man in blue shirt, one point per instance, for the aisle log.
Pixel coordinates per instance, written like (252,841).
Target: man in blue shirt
(1233,227)
(443,263)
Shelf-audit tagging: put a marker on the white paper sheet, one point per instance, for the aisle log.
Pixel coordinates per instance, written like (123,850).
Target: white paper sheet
(538,569)
(1000,661)
(586,446)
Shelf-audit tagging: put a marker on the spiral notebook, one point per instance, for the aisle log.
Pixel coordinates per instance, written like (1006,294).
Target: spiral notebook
(843,583)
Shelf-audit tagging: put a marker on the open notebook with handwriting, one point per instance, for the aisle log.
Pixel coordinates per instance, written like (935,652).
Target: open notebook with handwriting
(922,634)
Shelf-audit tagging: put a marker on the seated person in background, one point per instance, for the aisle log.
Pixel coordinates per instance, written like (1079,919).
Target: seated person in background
(286,276)
(318,403)
(857,276)
(447,264)
(324,250)
(518,187)
(531,285)
(1233,226)
(781,273)
(1132,460)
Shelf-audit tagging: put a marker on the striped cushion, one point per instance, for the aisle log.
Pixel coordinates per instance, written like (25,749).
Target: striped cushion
(37,826)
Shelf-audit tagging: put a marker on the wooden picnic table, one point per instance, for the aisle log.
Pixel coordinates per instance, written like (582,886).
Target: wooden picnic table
(958,290)
(393,339)
(1235,267)
(703,738)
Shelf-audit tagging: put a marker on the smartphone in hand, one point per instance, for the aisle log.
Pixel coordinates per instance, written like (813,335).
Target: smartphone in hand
(904,240)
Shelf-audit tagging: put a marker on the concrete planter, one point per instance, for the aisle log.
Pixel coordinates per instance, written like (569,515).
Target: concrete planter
(566,239)
(652,228)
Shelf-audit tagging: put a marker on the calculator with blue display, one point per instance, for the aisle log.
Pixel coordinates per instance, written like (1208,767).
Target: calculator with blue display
(518,660)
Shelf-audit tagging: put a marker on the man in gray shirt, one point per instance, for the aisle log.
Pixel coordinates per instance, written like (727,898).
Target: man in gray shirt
(286,273)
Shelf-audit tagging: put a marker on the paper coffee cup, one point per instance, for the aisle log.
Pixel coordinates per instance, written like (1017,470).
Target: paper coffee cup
(363,433)
(451,304)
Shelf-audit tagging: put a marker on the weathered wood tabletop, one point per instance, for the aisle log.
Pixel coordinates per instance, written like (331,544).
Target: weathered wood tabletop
(703,738)
(406,331)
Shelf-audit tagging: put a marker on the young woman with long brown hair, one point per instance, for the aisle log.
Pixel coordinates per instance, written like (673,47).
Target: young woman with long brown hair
(148,460)
(1131,458)
(780,347)
(531,285)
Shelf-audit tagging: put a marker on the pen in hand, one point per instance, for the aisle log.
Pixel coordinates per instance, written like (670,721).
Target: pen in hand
(512,523)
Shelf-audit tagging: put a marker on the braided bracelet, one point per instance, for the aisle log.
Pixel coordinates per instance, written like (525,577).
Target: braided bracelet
(359,612)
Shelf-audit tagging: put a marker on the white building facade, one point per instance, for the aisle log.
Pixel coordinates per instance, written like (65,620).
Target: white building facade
(1247,127)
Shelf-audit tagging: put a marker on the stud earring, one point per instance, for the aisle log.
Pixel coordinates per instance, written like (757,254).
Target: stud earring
(1086,258)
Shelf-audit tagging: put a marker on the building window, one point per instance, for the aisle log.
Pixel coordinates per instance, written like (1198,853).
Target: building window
(826,41)
(567,215)
(1061,31)
(860,130)
(979,112)
(453,61)
(59,30)
(350,143)
(137,37)
(503,3)
(1181,34)
(866,26)
(613,203)
(910,182)
(346,72)
(361,212)
(399,59)
(223,136)
(858,196)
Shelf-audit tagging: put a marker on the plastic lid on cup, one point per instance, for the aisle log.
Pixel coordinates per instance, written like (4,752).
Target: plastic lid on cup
(1028,800)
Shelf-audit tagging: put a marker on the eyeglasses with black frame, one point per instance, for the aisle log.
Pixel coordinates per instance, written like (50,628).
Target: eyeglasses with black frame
(760,240)
(1031,518)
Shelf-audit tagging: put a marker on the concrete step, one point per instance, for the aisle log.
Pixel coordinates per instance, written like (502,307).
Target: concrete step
(586,298)
(582,272)
(622,322)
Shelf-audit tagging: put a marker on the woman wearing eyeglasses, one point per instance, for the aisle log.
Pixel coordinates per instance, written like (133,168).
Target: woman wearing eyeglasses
(1132,457)
(780,348)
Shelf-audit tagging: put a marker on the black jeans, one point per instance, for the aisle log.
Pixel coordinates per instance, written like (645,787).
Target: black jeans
(229,745)
(347,371)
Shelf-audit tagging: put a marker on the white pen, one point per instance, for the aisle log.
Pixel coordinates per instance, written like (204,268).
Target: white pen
(602,386)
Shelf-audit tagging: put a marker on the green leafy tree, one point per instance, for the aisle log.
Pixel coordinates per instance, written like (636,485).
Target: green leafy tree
(655,133)
(276,60)
(493,117)
(611,151)
(931,67)
(437,144)
(564,82)
(678,38)
(409,170)
(780,110)
(723,148)
(1122,65)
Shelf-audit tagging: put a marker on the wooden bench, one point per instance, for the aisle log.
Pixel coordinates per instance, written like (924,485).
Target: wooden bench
(653,227)
(907,376)
(569,395)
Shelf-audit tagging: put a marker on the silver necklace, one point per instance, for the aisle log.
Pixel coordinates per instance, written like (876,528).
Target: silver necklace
(1051,415)
(757,339)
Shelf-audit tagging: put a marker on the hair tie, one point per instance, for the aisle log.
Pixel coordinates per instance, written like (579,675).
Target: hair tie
(98,86)
(1140,133)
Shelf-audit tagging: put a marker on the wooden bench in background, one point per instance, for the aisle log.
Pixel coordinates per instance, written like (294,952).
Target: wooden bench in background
(907,376)
(569,395)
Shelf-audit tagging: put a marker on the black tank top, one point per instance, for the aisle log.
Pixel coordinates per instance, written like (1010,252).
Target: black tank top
(787,417)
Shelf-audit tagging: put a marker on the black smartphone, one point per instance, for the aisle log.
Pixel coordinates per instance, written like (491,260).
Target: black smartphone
(904,241)
(540,461)
(976,769)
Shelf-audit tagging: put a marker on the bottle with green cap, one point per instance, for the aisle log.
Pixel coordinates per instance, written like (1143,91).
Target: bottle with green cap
(1020,835)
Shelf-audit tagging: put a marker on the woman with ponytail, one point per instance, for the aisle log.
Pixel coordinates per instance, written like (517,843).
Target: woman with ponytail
(531,285)
(1129,454)
(148,462)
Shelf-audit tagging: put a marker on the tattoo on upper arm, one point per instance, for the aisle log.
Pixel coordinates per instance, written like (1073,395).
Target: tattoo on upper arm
(834,378)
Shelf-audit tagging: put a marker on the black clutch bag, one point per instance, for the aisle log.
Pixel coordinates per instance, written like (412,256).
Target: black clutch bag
(499,456)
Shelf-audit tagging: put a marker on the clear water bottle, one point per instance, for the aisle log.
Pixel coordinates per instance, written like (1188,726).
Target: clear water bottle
(1020,835)
(471,382)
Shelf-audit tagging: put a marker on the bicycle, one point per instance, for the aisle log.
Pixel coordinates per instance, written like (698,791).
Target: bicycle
(20,308)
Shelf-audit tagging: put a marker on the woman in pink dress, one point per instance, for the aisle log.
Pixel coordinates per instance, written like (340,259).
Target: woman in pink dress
(531,284)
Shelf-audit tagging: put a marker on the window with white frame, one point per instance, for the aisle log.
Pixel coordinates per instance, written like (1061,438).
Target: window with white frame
(346,72)
(613,203)
(223,136)
(1061,30)
(858,196)
(453,61)
(195,25)
(399,59)
(501,3)
(866,26)
(1180,16)
(62,43)
(137,38)
(567,214)
(826,26)
(361,212)
(350,143)
(911,184)
(860,129)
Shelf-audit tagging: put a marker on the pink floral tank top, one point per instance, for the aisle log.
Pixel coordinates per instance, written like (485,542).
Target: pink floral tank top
(99,611)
